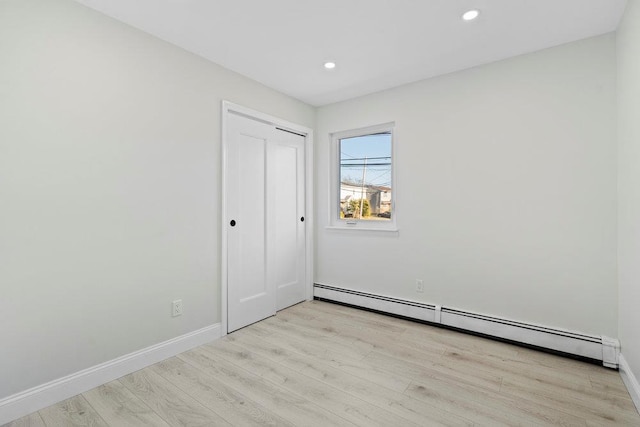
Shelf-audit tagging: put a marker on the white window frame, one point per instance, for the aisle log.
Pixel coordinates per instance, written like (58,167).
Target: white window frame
(337,223)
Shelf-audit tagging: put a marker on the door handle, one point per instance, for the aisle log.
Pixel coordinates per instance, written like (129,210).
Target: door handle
(233,223)
(301,219)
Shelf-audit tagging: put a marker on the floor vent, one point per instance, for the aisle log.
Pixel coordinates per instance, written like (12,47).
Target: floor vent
(591,347)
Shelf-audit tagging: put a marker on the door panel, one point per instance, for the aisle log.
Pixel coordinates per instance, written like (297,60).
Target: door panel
(250,297)
(265,199)
(251,217)
(288,253)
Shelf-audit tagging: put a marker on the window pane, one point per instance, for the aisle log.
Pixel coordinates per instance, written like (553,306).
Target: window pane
(365,177)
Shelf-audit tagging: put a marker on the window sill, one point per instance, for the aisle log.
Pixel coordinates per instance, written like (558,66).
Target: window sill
(393,231)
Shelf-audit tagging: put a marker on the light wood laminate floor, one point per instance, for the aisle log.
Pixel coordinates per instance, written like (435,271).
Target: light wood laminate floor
(320,364)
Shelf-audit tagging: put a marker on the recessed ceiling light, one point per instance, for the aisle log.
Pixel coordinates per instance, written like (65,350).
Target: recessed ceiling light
(470,15)
(329,65)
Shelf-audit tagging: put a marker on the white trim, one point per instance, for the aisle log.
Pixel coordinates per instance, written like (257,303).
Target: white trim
(36,398)
(337,223)
(630,381)
(437,318)
(350,133)
(223,218)
(228,107)
(610,352)
(413,310)
(576,343)
(362,229)
(309,170)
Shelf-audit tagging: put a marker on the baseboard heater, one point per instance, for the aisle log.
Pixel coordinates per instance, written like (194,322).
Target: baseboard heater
(594,348)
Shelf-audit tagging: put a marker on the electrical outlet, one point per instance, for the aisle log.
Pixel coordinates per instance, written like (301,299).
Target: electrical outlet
(176,308)
(419,285)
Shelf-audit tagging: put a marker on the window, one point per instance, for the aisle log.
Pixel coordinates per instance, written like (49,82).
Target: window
(363,193)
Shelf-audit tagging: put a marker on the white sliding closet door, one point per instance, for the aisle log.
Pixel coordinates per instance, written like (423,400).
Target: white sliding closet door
(287,231)
(265,213)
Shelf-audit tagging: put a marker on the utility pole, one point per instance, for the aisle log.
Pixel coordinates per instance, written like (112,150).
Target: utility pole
(362,192)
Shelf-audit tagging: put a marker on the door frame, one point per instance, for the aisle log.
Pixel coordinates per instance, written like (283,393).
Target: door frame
(227,108)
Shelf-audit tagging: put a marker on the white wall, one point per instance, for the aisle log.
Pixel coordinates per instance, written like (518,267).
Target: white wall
(506,190)
(109,188)
(629,185)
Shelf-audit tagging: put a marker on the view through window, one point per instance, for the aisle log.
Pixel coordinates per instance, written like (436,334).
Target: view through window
(366,177)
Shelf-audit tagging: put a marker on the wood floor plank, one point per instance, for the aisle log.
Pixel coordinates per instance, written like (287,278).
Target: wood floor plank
(426,338)
(417,332)
(304,346)
(365,339)
(457,341)
(605,376)
(31,420)
(337,401)
(563,364)
(584,393)
(550,369)
(356,317)
(514,367)
(322,364)
(427,369)
(309,324)
(75,411)
(549,396)
(304,315)
(490,408)
(617,389)
(326,329)
(337,331)
(169,402)
(358,387)
(331,343)
(447,397)
(359,368)
(117,405)
(612,423)
(560,417)
(226,401)
(293,407)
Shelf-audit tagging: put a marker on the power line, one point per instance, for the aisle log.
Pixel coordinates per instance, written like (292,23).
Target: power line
(364,158)
(347,165)
(378,176)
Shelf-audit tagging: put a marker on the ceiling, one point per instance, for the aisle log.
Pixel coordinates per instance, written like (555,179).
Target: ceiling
(376,44)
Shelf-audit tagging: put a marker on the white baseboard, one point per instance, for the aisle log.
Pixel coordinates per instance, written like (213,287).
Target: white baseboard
(34,399)
(630,381)
(575,343)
